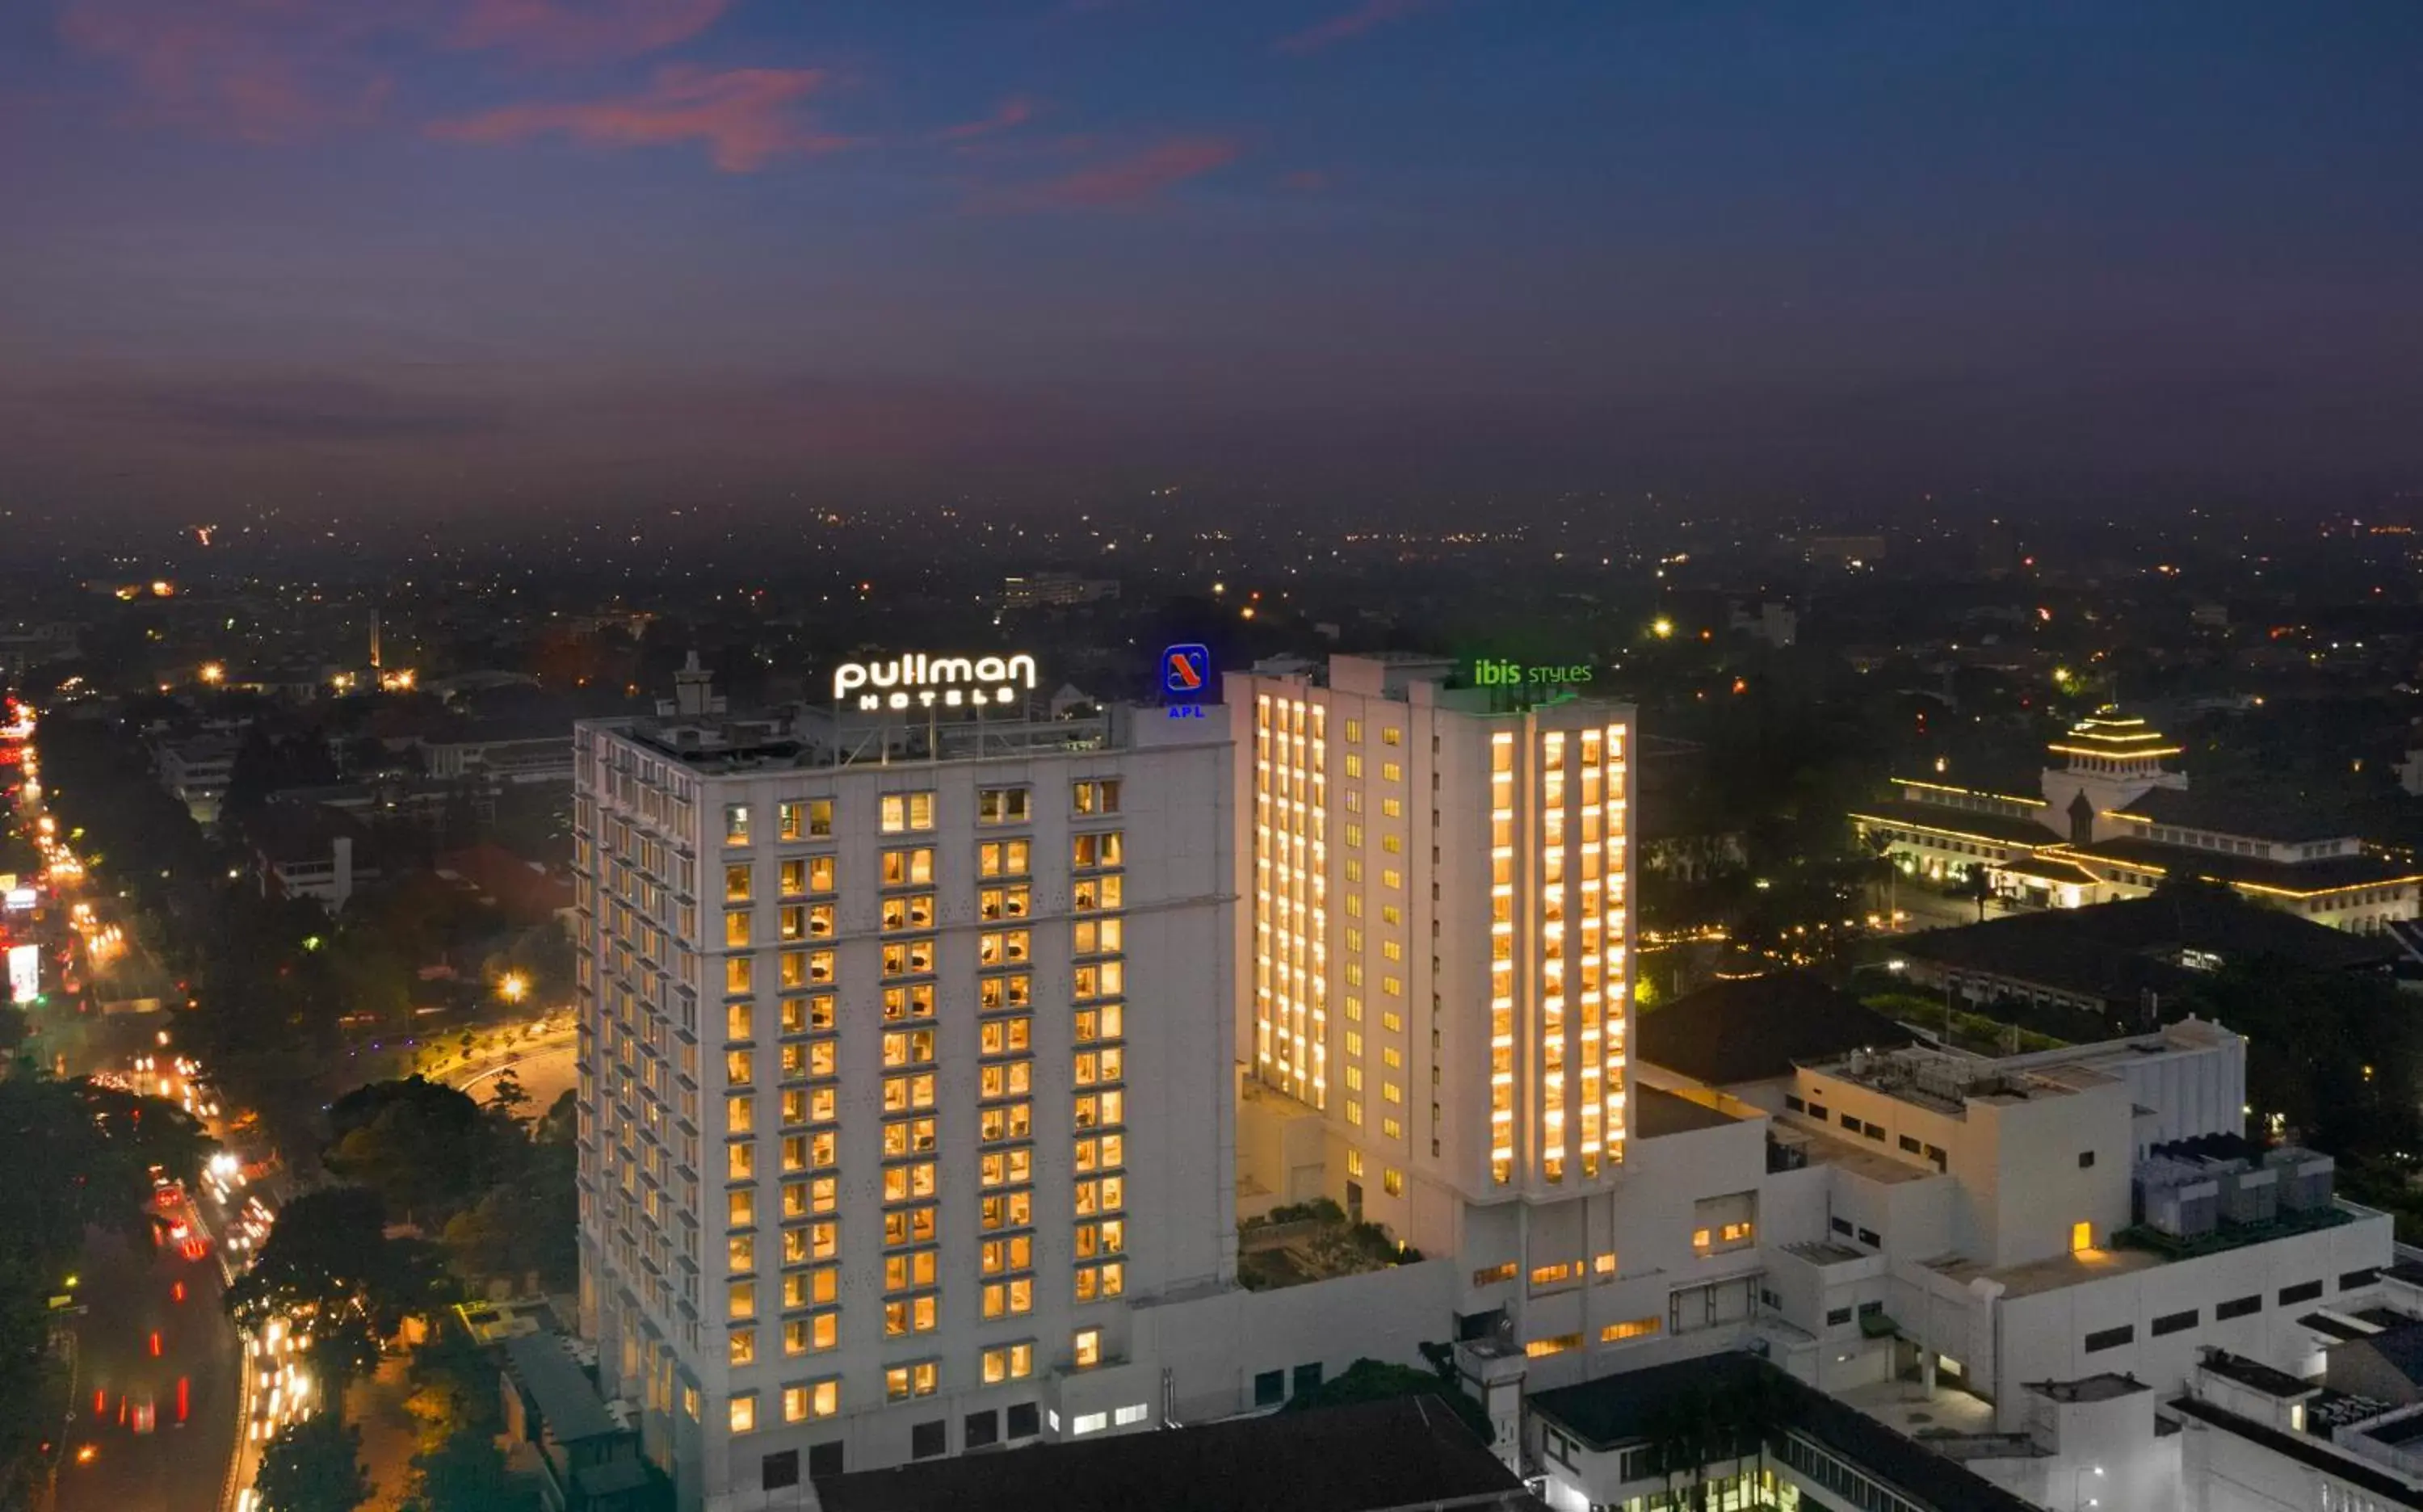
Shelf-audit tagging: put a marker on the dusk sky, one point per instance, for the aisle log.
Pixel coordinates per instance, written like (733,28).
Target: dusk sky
(433,252)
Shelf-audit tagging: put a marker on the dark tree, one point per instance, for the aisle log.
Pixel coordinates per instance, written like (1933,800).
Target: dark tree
(429,1150)
(313,1466)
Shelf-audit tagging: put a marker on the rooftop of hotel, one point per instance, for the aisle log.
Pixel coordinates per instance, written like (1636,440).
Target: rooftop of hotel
(2105,1385)
(2050,1274)
(1849,1155)
(1948,1081)
(2137,1250)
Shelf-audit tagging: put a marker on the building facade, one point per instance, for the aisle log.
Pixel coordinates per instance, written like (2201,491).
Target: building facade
(904,1072)
(1436,949)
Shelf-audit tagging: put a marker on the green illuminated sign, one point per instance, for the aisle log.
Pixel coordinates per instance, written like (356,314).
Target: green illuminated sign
(1502,672)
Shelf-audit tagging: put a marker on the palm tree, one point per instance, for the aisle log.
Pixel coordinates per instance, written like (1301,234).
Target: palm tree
(1753,1411)
(1978,887)
(1883,869)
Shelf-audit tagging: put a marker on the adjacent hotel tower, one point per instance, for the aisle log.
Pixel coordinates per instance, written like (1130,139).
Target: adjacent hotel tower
(1434,951)
(904,1069)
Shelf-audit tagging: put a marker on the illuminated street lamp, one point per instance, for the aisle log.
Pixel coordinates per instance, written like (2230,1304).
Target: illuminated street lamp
(512,986)
(214,673)
(1662,628)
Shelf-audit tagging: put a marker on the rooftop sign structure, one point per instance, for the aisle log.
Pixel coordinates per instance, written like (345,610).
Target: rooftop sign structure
(920,681)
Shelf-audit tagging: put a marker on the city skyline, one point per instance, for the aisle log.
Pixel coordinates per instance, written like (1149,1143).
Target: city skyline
(1079,249)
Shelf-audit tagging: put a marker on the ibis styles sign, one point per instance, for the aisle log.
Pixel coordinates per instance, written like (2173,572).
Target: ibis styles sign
(1540,678)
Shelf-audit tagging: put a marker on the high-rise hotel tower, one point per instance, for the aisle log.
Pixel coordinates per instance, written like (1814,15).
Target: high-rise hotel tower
(904,1063)
(1436,924)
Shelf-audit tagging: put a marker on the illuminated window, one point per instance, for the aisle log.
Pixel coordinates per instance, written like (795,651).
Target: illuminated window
(1554,1345)
(1635,1328)
(1392,1181)
(2081,1237)
(735,824)
(740,976)
(744,1413)
(736,883)
(1088,1348)
(813,1335)
(1605,1265)
(907,811)
(1002,858)
(1095,797)
(1014,1361)
(741,1347)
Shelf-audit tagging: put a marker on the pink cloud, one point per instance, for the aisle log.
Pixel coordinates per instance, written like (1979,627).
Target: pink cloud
(746,118)
(270,70)
(1305,181)
(257,69)
(1369,16)
(583,30)
(1136,177)
(1014,112)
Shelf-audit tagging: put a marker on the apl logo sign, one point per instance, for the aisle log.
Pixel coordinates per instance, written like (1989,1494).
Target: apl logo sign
(1186,677)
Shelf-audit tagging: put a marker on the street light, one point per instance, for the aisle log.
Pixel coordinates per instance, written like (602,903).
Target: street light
(514,986)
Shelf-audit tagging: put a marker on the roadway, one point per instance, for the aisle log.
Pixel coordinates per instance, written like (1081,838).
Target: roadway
(131,1291)
(546,1072)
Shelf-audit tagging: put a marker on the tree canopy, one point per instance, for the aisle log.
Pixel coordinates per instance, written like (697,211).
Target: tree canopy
(328,1255)
(313,1466)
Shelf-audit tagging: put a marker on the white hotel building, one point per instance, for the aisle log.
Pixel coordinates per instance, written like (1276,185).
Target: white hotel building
(904,1073)
(1438,939)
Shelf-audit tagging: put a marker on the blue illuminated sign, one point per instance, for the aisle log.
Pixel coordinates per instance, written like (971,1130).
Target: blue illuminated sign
(1185,678)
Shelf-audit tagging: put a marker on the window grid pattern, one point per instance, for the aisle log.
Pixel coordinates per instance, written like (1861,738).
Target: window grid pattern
(1290,897)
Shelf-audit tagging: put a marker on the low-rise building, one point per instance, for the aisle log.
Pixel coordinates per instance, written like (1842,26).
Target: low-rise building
(1402,1453)
(2114,968)
(195,771)
(1609,1443)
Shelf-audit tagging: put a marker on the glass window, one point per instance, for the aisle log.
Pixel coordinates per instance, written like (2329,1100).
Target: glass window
(1002,805)
(907,811)
(735,824)
(744,1413)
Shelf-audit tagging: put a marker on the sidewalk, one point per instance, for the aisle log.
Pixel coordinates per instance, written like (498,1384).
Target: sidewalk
(391,1435)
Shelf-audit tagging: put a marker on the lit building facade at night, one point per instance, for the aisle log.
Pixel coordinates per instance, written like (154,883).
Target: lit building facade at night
(904,1073)
(1434,952)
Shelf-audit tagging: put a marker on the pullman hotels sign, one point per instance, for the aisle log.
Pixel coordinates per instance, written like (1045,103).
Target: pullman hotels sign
(922,682)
